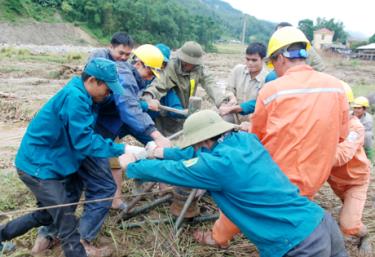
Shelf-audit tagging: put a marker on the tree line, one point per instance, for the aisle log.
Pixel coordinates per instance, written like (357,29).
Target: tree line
(150,21)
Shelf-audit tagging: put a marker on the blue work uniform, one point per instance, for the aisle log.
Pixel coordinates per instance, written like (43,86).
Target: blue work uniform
(55,144)
(62,135)
(247,185)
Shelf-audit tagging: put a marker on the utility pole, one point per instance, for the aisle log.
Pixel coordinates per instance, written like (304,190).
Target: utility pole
(244,29)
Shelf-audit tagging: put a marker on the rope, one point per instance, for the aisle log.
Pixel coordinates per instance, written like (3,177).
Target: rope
(11,213)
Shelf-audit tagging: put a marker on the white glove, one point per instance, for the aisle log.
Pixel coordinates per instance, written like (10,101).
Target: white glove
(138,152)
(150,148)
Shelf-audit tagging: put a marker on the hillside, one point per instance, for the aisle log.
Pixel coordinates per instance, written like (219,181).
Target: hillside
(169,21)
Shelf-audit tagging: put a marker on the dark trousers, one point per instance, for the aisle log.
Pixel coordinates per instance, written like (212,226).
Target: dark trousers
(96,176)
(325,241)
(47,193)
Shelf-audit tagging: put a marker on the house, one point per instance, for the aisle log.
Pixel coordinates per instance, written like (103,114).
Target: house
(366,52)
(321,37)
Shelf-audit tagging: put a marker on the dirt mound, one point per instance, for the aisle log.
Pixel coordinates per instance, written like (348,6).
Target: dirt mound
(44,34)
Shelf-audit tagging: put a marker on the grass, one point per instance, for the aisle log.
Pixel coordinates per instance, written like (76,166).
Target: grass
(25,55)
(230,48)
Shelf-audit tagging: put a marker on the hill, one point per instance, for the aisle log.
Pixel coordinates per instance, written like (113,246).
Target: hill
(169,21)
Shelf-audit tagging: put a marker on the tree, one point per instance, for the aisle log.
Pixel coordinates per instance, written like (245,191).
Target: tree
(337,27)
(372,39)
(307,26)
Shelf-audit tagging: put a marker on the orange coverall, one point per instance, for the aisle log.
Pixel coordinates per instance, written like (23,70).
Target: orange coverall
(300,118)
(350,177)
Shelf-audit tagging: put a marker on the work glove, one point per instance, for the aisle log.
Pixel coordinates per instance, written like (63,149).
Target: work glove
(153,151)
(138,152)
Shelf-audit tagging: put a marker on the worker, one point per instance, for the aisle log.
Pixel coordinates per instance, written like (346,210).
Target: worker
(56,142)
(244,84)
(183,75)
(245,81)
(118,116)
(125,116)
(259,199)
(166,51)
(313,59)
(297,114)
(360,106)
(119,50)
(300,112)
(350,179)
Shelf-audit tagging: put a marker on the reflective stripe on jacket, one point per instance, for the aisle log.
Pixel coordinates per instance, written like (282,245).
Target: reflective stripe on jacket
(300,118)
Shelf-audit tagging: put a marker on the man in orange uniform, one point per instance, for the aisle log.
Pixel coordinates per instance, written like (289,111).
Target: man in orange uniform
(350,178)
(300,118)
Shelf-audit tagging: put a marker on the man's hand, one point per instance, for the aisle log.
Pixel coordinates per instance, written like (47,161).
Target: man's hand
(225,109)
(232,100)
(153,151)
(245,126)
(126,159)
(138,152)
(160,140)
(153,105)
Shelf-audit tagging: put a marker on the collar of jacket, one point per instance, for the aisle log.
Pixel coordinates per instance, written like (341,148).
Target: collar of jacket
(261,75)
(142,84)
(78,83)
(298,68)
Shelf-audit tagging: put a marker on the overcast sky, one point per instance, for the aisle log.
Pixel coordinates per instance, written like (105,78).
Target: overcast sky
(357,16)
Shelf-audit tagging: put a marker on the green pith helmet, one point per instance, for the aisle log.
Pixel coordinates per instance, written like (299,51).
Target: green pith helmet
(191,52)
(203,125)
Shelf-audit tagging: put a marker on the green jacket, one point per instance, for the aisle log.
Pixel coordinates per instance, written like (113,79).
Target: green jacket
(173,78)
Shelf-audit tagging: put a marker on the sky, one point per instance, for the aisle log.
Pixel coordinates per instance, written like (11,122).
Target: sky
(357,16)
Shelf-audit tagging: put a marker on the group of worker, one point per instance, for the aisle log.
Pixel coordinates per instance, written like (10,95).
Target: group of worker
(301,135)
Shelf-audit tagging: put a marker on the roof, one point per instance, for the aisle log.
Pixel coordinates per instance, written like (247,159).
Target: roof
(367,47)
(324,31)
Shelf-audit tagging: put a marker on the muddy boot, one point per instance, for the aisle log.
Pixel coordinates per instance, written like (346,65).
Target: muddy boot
(43,243)
(365,247)
(180,196)
(93,251)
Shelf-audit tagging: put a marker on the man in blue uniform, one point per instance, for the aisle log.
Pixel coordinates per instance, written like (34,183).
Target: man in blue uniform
(247,185)
(57,140)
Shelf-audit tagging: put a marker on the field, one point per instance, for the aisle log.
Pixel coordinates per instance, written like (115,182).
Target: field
(28,80)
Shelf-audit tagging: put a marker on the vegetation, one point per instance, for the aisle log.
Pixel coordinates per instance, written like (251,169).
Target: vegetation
(171,21)
(372,39)
(308,27)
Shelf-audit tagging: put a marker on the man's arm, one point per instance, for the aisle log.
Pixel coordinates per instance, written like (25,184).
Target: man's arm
(193,173)
(208,84)
(79,120)
(347,149)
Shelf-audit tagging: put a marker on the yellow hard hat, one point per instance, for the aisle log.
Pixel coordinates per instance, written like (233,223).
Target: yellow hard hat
(348,91)
(151,56)
(361,101)
(284,37)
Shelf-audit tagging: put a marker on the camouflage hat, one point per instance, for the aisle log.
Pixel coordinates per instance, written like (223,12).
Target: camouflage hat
(191,52)
(203,125)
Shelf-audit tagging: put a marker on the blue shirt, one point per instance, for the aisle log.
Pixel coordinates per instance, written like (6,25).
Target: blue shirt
(61,135)
(247,186)
(126,109)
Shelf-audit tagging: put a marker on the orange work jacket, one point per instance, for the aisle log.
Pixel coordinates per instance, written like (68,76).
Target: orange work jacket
(300,118)
(351,165)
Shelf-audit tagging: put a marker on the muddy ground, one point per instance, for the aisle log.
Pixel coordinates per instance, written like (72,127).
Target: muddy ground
(27,81)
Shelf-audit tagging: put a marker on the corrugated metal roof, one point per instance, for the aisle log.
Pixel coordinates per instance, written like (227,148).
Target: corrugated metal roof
(369,46)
